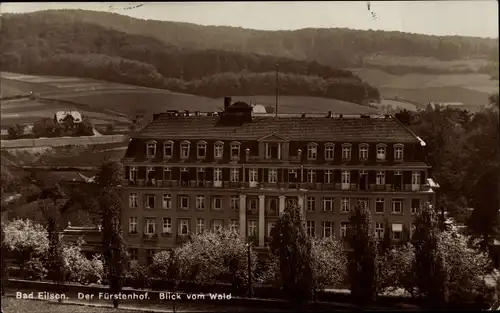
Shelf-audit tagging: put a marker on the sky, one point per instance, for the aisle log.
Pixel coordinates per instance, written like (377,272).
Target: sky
(477,18)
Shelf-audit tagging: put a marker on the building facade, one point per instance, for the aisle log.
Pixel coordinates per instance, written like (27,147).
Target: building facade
(188,172)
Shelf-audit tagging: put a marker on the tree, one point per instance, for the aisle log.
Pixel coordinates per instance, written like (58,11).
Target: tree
(4,269)
(109,179)
(15,131)
(396,269)
(386,243)
(26,240)
(55,256)
(80,269)
(329,262)
(429,264)
(293,248)
(362,256)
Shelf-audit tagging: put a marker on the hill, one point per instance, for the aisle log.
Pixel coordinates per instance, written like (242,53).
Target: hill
(333,47)
(106,102)
(44,44)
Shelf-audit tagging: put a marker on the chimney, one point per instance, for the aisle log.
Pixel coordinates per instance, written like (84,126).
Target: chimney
(227,103)
(329,114)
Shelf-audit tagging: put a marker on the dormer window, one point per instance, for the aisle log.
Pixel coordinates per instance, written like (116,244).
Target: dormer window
(329,151)
(398,152)
(168,149)
(363,152)
(201,149)
(235,150)
(312,151)
(346,151)
(381,152)
(151,149)
(185,145)
(218,150)
(273,151)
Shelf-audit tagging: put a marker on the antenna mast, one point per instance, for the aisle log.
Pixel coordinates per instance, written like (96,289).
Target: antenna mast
(277,91)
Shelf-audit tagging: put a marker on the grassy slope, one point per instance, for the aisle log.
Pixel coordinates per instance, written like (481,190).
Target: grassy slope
(98,99)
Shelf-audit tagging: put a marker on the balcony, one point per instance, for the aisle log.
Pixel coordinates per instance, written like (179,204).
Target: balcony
(166,234)
(150,237)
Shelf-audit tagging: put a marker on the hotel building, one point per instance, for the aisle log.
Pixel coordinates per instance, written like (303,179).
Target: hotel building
(189,172)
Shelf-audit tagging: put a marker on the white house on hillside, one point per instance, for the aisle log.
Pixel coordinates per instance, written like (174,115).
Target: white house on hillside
(63,117)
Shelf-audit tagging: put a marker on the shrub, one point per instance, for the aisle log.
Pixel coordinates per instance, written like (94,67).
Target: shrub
(329,262)
(138,277)
(79,268)
(35,269)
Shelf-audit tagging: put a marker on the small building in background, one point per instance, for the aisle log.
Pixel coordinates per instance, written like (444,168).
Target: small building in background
(69,118)
(92,236)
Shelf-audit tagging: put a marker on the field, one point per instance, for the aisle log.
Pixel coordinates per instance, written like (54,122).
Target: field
(472,90)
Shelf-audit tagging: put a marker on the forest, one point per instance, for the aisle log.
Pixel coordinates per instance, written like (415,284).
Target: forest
(336,47)
(55,47)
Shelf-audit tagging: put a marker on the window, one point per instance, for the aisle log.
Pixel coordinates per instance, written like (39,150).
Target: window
(379,230)
(150,254)
(312,151)
(398,152)
(327,229)
(132,200)
(202,150)
(346,205)
(380,178)
(415,181)
(150,202)
(133,173)
(132,225)
(363,152)
(253,175)
(200,225)
(311,176)
(133,252)
(273,204)
(252,228)
(328,176)
(217,225)
(397,231)
(185,145)
(346,151)
(167,201)
(233,225)
(235,151)
(218,150)
(253,204)
(346,177)
(270,226)
(235,175)
(311,228)
(150,149)
(184,202)
(381,152)
(329,151)
(200,202)
(183,226)
(167,225)
(344,226)
(311,204)
(272,175)
(167,173)
(150,173)
(217,175)
(397,206)
(217,203)
(235,203)
(328,204)
(379,205)
(150,226)
(415,205)
(273,151)
(168,149)
(363,202)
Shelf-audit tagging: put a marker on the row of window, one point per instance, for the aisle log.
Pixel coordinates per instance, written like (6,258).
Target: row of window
(273,150)
(272,175)
(327,228)
(327,205)
(183,227)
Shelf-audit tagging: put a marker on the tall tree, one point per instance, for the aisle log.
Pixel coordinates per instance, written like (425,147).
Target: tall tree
(115,257)
(362,256)
(291,245)
(429,263)
(3,253)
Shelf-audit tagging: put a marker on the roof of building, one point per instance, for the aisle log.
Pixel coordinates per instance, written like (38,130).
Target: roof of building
(297,128)
(61,115)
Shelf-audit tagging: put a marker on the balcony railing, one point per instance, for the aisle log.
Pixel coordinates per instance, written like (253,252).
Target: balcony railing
(150,237)
(278,185)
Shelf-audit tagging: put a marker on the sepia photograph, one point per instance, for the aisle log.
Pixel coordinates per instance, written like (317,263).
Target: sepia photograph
(294,156)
